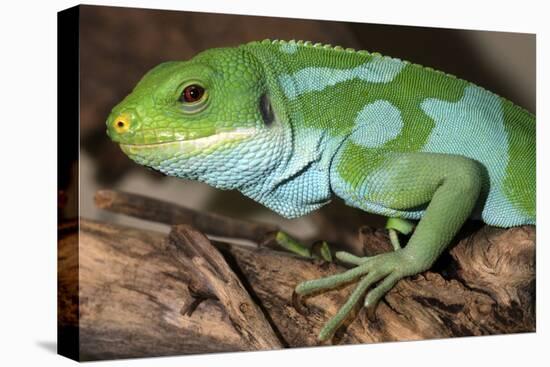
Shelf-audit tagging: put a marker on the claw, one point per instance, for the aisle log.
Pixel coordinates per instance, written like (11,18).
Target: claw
(299,305)
(371,312)
(321,249)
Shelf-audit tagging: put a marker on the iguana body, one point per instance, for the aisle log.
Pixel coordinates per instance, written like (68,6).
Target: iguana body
(291,124)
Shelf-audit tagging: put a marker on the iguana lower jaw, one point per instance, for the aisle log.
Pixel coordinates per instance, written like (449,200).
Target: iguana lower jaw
(158,152)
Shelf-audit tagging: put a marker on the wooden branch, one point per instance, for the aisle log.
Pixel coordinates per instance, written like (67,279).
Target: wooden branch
(129,291)
(501,263)
(133,288)
(488,288)
(211,275)
(164,212)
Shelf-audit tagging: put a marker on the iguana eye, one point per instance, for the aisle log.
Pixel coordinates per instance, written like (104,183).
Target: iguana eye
(193,98)
(192,93)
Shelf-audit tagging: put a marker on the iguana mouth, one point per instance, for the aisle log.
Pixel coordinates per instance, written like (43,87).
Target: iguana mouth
(150,145)
(193,144)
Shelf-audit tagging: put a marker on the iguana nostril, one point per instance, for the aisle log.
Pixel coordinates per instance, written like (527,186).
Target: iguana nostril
(122,123)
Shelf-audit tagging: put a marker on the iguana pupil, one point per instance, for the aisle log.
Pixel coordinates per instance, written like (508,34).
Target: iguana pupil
(192,93)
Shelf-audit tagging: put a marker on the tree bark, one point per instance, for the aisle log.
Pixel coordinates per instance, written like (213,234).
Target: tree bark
(143,293)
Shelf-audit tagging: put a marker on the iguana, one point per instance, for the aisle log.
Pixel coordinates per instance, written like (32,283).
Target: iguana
(290,124)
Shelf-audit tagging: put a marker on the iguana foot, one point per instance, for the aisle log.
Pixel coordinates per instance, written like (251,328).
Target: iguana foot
(384,269)
(319,250)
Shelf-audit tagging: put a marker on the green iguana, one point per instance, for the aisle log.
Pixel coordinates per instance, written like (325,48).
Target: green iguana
(291,124)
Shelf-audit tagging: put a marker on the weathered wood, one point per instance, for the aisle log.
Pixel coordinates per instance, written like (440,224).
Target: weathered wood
(488,289)
(501,263)
(67,290)
(164,212)
(131,292)
(211,275)
(133,289)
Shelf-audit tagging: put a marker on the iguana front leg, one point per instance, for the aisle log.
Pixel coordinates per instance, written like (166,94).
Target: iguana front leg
(448,184)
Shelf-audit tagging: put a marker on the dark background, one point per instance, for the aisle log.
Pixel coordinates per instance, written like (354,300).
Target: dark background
(118,45)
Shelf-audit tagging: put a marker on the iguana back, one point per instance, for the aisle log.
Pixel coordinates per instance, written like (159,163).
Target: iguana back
(388,105)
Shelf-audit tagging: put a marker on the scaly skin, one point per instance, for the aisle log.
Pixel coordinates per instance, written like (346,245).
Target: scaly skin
(291,124)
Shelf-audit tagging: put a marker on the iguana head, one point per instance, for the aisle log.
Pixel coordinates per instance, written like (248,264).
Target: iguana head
(212,118)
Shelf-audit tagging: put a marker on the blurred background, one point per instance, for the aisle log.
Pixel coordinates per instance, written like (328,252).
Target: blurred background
(119,45)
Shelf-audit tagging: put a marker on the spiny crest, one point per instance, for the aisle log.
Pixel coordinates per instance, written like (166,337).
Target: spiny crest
(377,54)
(349,50)
(326,46)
